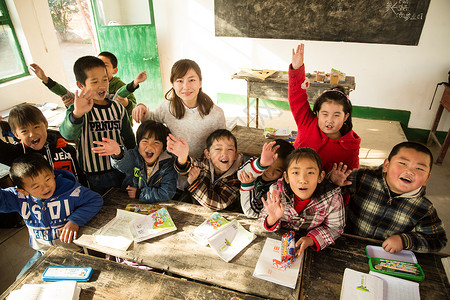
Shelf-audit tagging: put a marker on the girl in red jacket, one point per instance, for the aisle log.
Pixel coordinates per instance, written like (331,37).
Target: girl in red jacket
(328,127)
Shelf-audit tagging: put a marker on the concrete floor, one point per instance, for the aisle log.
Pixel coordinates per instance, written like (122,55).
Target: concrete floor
(377,136)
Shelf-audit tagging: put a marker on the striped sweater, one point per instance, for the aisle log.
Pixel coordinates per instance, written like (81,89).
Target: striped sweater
(110,121)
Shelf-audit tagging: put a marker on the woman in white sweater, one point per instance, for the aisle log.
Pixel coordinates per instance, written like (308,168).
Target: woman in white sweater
(189,112)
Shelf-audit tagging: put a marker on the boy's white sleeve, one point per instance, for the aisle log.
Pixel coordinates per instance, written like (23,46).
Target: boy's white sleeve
(253,167)
(247,195)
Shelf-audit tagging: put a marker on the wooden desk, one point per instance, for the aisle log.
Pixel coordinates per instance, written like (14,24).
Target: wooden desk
(275,87)
(323,271)
(177,254)
(111,280)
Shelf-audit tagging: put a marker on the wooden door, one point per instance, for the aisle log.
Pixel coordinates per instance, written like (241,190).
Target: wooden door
(127,29)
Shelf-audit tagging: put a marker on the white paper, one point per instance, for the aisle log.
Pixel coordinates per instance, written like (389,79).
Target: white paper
(397,288)
(269,265)
(59,290)
(208,228)
(116,233)
(361,286)
(152,225)
(231,239)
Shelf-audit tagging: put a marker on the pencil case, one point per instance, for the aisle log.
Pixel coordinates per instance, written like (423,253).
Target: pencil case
(402,264)
(57,273)
(288,248)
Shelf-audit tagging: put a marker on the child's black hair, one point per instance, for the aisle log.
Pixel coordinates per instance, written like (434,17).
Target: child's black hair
(23,115)
(28,165)
(304,152)
(411,145)
(112,58)
(338,96)
(84,64)
(150,128)
(218,134)
(285,148)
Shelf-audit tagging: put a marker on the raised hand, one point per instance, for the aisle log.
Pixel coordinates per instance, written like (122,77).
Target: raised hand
(141,77)
(39,72)
(83,103)
(339,173)
(245,177)
(140,113)
(268,154)
(179,147)
(107,147)
(297,56)
(274,207)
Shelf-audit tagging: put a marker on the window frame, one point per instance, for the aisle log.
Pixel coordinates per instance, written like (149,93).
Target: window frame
(6,20)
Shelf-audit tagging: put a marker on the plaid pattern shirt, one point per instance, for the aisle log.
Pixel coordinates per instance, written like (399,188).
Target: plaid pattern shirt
(375,214)
(323,217)
(215,194)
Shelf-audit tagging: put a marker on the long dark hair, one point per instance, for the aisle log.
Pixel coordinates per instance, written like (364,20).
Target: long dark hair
(176,107)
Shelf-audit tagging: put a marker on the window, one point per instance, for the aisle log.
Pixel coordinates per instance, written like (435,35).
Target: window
(12,63)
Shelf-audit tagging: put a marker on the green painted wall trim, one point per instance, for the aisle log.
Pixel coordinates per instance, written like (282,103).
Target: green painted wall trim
(373,113)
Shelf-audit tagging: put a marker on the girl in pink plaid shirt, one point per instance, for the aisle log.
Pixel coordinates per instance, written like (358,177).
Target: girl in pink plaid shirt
(304,200)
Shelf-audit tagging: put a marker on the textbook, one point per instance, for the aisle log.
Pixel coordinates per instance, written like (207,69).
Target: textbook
(231,239)
(151,226)
(61,290)
(270,268)
(116,233)
(144,209)
(208,228)
(359,285)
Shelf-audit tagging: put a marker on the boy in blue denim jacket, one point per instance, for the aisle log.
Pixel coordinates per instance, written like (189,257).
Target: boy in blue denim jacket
(148,168)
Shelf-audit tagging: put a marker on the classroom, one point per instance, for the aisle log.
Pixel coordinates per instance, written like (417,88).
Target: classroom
(396,77)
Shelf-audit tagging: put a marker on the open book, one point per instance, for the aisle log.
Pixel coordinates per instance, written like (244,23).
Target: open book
(208,228)
(230,239)
(61,290)
(269,265)
(153,225)
(376,286)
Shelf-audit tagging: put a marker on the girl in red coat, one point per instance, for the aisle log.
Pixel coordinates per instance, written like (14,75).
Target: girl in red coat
(328,127)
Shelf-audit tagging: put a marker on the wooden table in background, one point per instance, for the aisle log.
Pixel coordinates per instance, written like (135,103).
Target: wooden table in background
(275,87)
(323,270)
(111,280)
(176,253)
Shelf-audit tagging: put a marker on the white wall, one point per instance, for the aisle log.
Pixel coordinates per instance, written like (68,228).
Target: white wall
(387,76)
(33,24)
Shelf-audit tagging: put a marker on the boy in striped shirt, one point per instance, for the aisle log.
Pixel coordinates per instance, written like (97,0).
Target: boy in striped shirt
(94,116)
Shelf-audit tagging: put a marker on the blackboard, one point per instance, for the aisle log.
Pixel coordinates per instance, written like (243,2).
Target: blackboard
(365,21)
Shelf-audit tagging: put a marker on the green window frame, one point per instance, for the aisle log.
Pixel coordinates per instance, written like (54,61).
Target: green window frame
(8,37)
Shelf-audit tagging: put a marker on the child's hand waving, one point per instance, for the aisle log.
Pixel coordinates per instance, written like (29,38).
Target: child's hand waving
(141,77)
(268,154)
(274,207)
(297,56)
(83,103)
(39,72)
(339,173)
(107,147)
(179,147)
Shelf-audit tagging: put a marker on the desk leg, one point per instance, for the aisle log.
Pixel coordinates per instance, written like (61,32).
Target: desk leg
(444,148)
(257,110)
(248,104)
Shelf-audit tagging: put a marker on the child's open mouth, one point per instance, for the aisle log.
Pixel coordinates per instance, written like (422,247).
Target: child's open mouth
(303,189)
(102,94)
(405,180)
(329,126)
(224,161)
(148,155)
(35,142)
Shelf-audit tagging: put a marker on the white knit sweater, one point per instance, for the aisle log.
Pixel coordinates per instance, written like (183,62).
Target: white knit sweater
(192,127)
